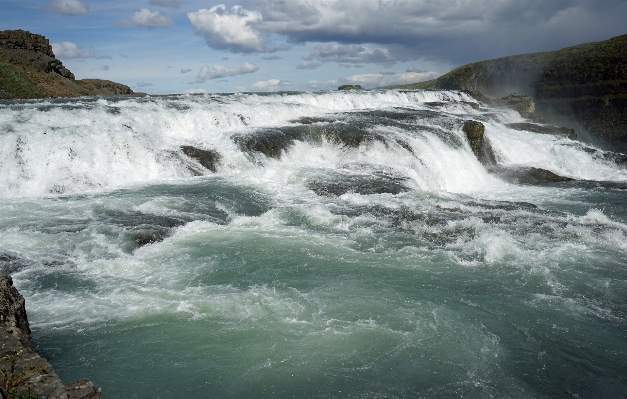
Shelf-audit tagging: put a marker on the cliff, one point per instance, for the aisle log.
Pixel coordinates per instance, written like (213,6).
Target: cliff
(584,86)
(29,69)
(23,373)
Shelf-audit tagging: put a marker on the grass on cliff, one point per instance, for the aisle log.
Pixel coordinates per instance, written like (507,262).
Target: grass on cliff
(16,83)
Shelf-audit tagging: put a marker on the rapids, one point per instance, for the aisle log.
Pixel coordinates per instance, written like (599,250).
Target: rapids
(319,245)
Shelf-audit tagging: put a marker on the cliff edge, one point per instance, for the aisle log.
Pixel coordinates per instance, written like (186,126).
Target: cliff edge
(23,373)
(583,86)
(29,69)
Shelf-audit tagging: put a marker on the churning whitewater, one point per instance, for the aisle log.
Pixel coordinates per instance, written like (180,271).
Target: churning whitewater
(318,245)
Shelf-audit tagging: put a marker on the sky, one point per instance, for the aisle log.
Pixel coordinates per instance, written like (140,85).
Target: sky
(190,46)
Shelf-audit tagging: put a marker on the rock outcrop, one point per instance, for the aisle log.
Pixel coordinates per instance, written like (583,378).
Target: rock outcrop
(582,86)
(29,69)
(475,133)
(22,370)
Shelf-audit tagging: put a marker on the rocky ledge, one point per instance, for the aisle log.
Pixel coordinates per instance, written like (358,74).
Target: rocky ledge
(583,86)
(23,373)
(29,69)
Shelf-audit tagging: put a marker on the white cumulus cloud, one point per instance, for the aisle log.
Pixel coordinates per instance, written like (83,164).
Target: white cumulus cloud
(217,71)
(148,19)
(271,85)
(231,30)
(67,7)
(70,50)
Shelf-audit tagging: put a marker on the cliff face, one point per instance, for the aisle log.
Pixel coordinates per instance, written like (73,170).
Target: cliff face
(22,370)
(29,69)
(583,86)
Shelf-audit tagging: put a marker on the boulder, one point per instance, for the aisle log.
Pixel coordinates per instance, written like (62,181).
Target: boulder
(475,133)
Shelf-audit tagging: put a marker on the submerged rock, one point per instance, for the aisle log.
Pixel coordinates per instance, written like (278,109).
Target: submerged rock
(145,237)
(24,372)
(475,132)
(364,185)
(207,158)
(528,175)
(544,129)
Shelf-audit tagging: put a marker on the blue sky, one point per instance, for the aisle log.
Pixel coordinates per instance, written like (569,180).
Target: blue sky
(177,46)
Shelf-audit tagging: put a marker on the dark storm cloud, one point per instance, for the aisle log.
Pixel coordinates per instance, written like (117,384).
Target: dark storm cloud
(454,32)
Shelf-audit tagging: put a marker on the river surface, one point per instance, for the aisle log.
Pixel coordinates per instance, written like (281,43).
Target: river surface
(312,245)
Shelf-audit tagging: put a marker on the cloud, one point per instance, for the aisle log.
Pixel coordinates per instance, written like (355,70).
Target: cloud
(350,53)
(308,65)
(144,84)
(272,57)
(220,71)
(105,68)
(230,30)
(166,3)
(146,18)
(186,70)
(414,69)
(375,80)
(271,85)
(67,7)
(453,32)
(70,50)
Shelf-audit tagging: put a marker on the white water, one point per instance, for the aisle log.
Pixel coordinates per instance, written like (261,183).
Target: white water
(463,285)
(83,145)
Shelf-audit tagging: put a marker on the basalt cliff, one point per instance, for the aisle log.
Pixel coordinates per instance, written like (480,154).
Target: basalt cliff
(29,69)
(584,87)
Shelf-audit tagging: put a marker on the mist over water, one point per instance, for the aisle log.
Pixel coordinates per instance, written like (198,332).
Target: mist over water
(348,244)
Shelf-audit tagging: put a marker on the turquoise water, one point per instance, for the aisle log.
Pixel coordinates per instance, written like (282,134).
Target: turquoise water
(370,257)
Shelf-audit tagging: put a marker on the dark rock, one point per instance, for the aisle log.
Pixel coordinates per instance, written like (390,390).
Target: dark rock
(475,132)
(24,372)
(350,87)
(82,389)
(271,143)
(141,238)
(528,175)
(207,158)
(364,185)
(12,308)
(524,105)
(544,129)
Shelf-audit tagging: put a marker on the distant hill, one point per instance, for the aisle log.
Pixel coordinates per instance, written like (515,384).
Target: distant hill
(583,86)
(29,69)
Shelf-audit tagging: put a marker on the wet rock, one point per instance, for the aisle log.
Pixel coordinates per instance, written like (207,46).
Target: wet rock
(544,129)
(475,132)
(524,105)
(82,389)
(271,143)
(529,175)
(207,158)
(24,371)
(364,185)
(145,237)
